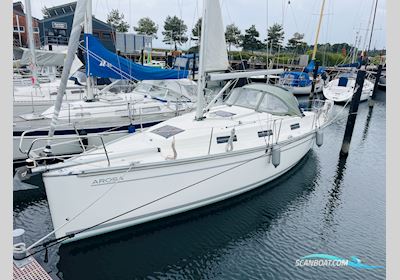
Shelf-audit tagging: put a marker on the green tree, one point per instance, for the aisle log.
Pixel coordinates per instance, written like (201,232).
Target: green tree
(250,39)
(232,35)
(174,31)
(275,36)
(116,20)
(146,27)
(196,31)
(296,42)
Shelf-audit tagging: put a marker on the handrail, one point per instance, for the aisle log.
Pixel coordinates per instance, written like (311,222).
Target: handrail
(67,137)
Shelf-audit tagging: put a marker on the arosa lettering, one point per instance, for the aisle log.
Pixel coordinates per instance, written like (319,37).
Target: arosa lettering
(106,181)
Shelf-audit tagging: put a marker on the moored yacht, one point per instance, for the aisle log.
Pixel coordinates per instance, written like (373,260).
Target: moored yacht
(188,161)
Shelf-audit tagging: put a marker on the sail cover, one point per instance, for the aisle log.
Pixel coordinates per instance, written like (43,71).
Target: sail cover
(106,64)
(310,68)
(216,58)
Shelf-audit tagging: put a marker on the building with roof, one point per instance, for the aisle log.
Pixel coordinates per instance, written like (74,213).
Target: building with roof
(20,28)
(56,27)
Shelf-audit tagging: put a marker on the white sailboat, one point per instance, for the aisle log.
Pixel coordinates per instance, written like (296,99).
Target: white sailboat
(111,116)
(342,88)
(101,111)
(188,161)
(37,91)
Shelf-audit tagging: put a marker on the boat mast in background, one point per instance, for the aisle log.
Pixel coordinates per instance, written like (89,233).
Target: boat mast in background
(318,29)
(88,29)
(31,43)
(372,27)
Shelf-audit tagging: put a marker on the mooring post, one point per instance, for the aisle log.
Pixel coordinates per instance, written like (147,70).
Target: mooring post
(351,119)
(142,56)
(194,65)
(315,73)
(377,77)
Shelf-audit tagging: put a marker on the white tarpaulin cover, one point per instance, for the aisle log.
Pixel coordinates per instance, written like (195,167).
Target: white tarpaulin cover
(49,58)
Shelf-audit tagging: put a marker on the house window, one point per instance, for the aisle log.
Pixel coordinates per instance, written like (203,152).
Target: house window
(96,34)
(106,35)
(36,30)
(21,29)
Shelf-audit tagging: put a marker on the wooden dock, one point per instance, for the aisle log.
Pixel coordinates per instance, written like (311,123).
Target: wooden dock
(29,269)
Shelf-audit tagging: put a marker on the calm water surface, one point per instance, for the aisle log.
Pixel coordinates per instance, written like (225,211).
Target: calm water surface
(323,205)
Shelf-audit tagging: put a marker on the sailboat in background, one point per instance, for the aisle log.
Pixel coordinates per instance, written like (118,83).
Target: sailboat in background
(342,87)
(165,93)
(36,91)
(189,161)
(301,83)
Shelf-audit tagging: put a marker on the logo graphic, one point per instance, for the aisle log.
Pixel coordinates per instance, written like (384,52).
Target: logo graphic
(329,260)
(104,63)
(106,181)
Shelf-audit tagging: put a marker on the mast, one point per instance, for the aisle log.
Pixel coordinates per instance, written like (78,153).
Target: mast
(73,42)
(88,29)
(372,27)
(202,74)
(31,42)
(318,29)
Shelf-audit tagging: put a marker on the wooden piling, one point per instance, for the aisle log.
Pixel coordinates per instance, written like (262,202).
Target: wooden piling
(142,57)
(351,119)
(377,77)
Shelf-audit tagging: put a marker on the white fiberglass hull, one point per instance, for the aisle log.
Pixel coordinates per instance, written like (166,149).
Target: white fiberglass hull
(341,94)
(68,195)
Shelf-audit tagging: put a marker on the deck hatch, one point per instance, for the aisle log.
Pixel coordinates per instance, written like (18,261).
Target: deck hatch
(294,126)
(167,131)
(265,133)
(223,114)
(225,139)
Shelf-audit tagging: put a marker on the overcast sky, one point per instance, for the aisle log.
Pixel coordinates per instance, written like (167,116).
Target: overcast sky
(343,18)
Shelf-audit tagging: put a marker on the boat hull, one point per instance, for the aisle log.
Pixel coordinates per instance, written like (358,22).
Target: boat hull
(167,188)
(340,94)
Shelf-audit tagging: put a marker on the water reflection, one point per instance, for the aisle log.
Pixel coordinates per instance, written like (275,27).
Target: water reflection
(334,197)
(367,123)
(187,244)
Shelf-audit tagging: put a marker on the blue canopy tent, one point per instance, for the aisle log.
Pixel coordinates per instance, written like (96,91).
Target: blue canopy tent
(105,64)
(296,79)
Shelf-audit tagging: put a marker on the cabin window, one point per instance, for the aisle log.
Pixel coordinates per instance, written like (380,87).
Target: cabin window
(294,126)
(272,104)
(247,98)
(265,133)
(225,139)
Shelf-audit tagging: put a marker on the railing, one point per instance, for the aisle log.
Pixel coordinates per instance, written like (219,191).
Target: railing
(68,140)
(54,40)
